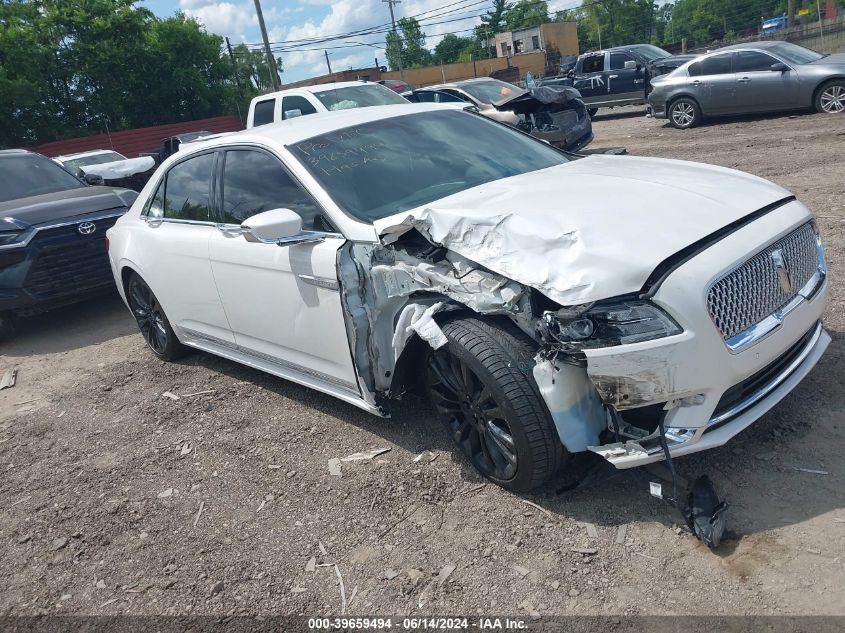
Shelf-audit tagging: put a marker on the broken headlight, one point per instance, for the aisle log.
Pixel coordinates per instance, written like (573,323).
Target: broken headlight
(608,324)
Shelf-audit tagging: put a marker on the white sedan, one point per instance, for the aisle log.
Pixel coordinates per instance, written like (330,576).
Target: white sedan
(547,304)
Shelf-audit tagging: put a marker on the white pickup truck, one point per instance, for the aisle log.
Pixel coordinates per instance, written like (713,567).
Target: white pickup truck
(286,104)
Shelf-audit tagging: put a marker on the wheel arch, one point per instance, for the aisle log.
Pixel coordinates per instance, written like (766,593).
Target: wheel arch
(684,95)
(821,85)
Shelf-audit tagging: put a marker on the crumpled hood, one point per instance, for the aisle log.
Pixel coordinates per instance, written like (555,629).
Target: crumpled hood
(590,229)
(50,207)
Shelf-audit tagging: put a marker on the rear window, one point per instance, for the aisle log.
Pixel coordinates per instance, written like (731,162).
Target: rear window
(358,97)
(31,175)
(263,113)
(716,65)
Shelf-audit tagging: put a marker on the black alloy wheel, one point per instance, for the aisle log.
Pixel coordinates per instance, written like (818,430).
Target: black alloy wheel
(476,420)
(481,383)
(152,321)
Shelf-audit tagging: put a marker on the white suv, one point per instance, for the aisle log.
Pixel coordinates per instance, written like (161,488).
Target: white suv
(294,102)
(547,304)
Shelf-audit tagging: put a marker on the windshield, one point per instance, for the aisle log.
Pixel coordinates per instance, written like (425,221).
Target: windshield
(490,90)
(31,175)
(794,53)
(650,52)
(358,97)
(377,169)
(96,159)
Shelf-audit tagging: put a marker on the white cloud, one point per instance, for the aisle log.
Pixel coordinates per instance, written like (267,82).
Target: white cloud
(222,18)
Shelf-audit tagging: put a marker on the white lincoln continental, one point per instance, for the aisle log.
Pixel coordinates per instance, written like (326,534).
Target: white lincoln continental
(547,304)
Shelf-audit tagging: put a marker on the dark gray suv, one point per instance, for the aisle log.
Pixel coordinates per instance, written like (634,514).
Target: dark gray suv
(52,235)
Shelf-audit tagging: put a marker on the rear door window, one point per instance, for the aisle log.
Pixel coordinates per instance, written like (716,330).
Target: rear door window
(716,65)
(593,64)
(263,113)
(187,190)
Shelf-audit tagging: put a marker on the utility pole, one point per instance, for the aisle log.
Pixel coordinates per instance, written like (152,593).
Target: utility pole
(271,63)
(390,4)
(328,63)
(237,80)
(790,13)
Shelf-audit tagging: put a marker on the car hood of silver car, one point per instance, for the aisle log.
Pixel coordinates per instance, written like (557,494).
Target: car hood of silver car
(590,229)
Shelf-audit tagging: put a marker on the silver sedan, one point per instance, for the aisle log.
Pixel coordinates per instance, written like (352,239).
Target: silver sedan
(748,78)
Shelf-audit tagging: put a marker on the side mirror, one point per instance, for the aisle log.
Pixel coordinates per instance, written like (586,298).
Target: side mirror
(278,226)
(631,65)
(93,179)
(779,67)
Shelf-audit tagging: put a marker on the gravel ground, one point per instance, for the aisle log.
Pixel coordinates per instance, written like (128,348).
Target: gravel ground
(119,500)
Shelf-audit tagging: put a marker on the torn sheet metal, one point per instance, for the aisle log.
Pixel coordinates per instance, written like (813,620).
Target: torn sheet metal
(120,168)
(573,402)
(576,248)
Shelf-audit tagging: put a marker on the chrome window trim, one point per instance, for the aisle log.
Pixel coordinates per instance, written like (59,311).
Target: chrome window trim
(773,384)
(30,233)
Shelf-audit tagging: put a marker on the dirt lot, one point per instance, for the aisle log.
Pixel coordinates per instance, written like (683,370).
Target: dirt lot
(117,500)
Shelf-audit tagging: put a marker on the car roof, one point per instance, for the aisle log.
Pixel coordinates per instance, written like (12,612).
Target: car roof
(463,82)
(94,152)
(304,127)
(13,152)
(747,45)
(317,88)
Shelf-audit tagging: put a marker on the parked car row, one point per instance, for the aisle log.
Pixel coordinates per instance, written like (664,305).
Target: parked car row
(754,77)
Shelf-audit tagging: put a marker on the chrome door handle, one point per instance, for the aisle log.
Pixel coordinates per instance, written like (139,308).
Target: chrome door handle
(613,77)
(743,80)
(231,230)
(695,82)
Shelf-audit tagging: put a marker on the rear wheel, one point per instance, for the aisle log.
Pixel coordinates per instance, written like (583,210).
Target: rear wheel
(481,384)
(684,113)
(152,321)
(831,97)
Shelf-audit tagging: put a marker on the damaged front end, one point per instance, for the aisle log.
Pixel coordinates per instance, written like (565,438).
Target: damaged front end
(555,114)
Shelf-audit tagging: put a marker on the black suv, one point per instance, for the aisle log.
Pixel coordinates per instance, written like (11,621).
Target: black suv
(52,235)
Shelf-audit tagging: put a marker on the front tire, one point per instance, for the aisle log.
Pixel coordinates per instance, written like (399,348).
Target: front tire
(152,321)
(684,113)
(830,98)
(481,384)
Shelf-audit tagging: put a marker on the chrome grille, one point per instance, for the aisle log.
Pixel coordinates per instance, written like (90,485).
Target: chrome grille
(750,293)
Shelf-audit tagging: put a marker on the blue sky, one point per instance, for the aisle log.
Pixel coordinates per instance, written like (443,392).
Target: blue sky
(289,20)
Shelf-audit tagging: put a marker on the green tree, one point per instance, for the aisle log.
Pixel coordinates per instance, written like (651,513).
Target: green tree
(451,47)
(75,67)
(525,14)
(410,40)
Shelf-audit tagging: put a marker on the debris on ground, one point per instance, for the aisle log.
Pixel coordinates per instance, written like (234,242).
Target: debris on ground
(426,455)
(364,455)
(522,571)
(334,467)
(59,543)
(705,513)
(311,565)
(186,449)
(812,471)
(199,513)
(587,551)
(538,507)
(621,533)
(10,376)
(390,574)
(170,394)
(592,531)
(165,493)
